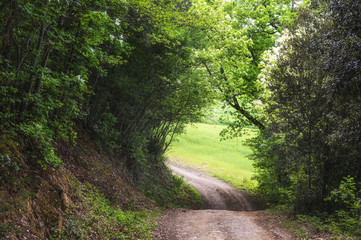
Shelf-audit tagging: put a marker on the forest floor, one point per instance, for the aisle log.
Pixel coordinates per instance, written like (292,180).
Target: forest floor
(228,213)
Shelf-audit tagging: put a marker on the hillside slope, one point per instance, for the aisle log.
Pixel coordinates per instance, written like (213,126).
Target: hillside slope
(90,196)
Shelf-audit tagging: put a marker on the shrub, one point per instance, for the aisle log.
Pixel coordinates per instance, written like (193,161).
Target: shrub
(347,198)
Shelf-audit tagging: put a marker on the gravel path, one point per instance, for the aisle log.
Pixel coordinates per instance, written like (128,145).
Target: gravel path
(215,193)
(228,214)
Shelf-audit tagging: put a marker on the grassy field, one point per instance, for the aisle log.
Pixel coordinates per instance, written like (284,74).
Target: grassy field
(201,147)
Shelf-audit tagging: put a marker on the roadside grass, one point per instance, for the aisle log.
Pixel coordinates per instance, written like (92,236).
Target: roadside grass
(306,226)
(201,147)
(172,193)
(95,217)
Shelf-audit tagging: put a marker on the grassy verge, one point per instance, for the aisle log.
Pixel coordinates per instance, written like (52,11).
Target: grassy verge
(305,226)
(95,216)
(201,147)
(171,192)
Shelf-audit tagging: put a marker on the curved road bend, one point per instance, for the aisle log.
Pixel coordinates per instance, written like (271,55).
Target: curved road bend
(228,213)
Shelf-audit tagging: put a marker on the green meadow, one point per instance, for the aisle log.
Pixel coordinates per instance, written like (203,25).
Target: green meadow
(201,147)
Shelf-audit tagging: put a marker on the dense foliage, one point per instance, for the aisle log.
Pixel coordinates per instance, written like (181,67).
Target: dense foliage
(130,73)
(119,70)
(233,53)
(313,111)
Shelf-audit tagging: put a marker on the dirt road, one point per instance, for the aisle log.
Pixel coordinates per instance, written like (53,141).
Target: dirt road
(228,214)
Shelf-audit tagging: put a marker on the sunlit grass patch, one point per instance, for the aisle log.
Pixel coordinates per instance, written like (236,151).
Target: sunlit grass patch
(201,147)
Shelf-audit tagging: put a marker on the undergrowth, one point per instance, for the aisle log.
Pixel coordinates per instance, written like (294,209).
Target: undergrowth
(95,217)
(175,193)
(87,197)
(317,225)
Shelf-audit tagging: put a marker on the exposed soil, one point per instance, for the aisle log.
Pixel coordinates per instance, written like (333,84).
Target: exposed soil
(228,214)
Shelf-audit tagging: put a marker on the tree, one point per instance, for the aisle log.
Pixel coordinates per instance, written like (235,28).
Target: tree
(234,49)
(47,49)
(296,113)
(140,104)
(309,146)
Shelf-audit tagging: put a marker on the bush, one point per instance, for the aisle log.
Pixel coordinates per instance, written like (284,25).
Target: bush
(347,198)
(41,140)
